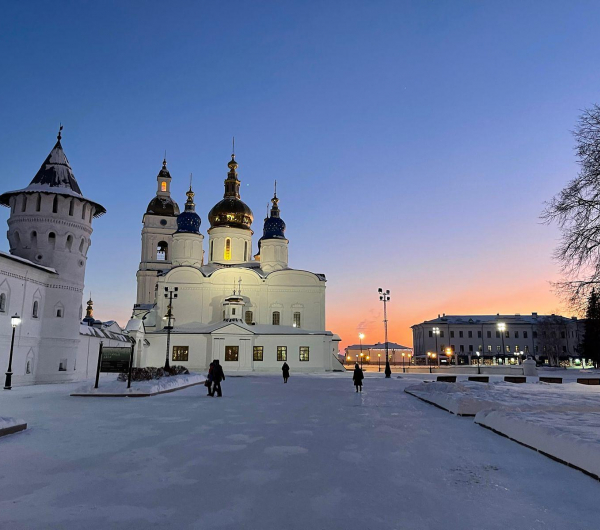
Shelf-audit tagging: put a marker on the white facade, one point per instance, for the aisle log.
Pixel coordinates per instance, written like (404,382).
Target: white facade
(279,307)
(42,279)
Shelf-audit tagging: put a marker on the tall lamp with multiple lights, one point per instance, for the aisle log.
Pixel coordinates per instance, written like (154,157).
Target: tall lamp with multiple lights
(436,332)
(384,296)
(14,322)
(361,336)
(170,294)
(502,329)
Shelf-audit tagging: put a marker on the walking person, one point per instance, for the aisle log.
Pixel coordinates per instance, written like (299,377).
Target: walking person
(286,372)
(358,377)
(209,378)
(217,377)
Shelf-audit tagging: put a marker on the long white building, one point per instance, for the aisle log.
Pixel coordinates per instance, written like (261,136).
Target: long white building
(499,338)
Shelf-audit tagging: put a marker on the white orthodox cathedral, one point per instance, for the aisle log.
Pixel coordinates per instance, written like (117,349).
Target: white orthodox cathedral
(250,312)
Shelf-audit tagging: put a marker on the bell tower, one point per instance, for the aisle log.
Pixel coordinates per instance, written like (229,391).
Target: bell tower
(159,224)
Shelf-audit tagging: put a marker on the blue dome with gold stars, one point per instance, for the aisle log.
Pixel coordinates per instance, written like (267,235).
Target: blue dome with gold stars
(189,220)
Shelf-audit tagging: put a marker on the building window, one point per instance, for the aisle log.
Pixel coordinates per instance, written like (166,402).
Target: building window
(36,306)
(499,348)
(276,318)
(442,333)
(507,334)
(470,347)
(38,202)
(212,243)
(462,348)
(452,334)
(497,334)
(233,311)
(232,353)
(2,302)
(517,350)
(55,204)
(537,349)
(460,334)
(83,211)
(535,334)
(245,250)
(257,353)
(296,323)
(71,206)
(524,334)
(163,186)
(516,334)
(62,366)
(489,334)
(479,334)
(507,349)
(227,255)
(52,240)
(59,313)
(181,353)
(282,353)
(430,333)
(562,335)
(564,349)
(162,251)
(28,367)
(489,348)
(526,349)
(248,317)
(304,353)
(69,242)
(24,203)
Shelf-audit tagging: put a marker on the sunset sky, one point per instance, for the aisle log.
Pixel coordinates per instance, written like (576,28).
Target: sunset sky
(414,143)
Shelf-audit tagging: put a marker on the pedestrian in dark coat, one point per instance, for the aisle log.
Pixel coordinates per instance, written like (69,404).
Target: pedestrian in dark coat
(209,378)
(286,372)
(358,377)
(217,377)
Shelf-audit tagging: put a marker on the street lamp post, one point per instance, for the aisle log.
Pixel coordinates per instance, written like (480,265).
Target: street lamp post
(436,332)
(384,296)
(429,360)
(502,329)
(478,369)
(361,336)
(403,369)
(379,362)
(170,294)
(14,322)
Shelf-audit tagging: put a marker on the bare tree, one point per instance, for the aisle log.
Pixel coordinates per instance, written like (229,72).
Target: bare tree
(576,210)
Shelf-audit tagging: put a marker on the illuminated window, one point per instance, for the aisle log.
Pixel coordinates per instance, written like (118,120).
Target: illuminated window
(517,349)
(276,318)
(227,255)
(232,353)
(181,353)
(507,349)
(257,354)
(490,348)
(282,353)
(499,349)
(248,318)
(163,186)
(296,323)
(304,353)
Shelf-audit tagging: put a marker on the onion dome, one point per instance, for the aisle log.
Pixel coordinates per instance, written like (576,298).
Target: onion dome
(274,227)
(162,204)
(55,176)
(231,211)
(189,220)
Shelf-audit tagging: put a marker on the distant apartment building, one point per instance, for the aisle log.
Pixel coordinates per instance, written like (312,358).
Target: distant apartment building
(499,339)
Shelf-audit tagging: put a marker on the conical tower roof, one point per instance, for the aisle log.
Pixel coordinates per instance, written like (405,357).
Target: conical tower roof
(54,176)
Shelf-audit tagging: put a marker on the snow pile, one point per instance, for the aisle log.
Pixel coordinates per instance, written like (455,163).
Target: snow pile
(457,398)
(143,388)
(569,437)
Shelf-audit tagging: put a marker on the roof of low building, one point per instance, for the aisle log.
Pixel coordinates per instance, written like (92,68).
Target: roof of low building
(533,318)
(27,262)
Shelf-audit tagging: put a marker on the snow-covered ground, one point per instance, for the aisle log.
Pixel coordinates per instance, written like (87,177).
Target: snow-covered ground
(312,454)
(110,386)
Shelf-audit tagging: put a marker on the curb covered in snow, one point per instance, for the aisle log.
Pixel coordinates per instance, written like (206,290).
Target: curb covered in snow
(142,388)
(11,426)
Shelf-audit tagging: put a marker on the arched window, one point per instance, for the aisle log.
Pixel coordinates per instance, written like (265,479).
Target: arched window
(71,206)
(69,242)
(81,245)
(248,317)
(245,250)
(24,203)
(36,306)
(296,322)
(227,255)
(83,211)
(52,239)
(55,204)
(211,250)
(34,239)
(276,318)
(38,202)
(28,367)
(59,312)
(91,213)
(2,302)
(163,186)
(162,250)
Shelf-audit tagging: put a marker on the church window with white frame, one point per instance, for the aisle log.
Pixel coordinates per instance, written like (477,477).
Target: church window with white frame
(304,353)
(248,317)
(297,317)
(281,353)
(232,353)
(181,353)
(227,253)
(276,318)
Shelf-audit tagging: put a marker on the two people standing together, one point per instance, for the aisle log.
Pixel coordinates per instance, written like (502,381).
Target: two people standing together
(215,376)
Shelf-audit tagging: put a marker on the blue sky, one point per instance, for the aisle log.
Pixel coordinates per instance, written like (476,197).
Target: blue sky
(413,142)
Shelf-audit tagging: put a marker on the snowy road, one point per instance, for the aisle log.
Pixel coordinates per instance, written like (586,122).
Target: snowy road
(308,455)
